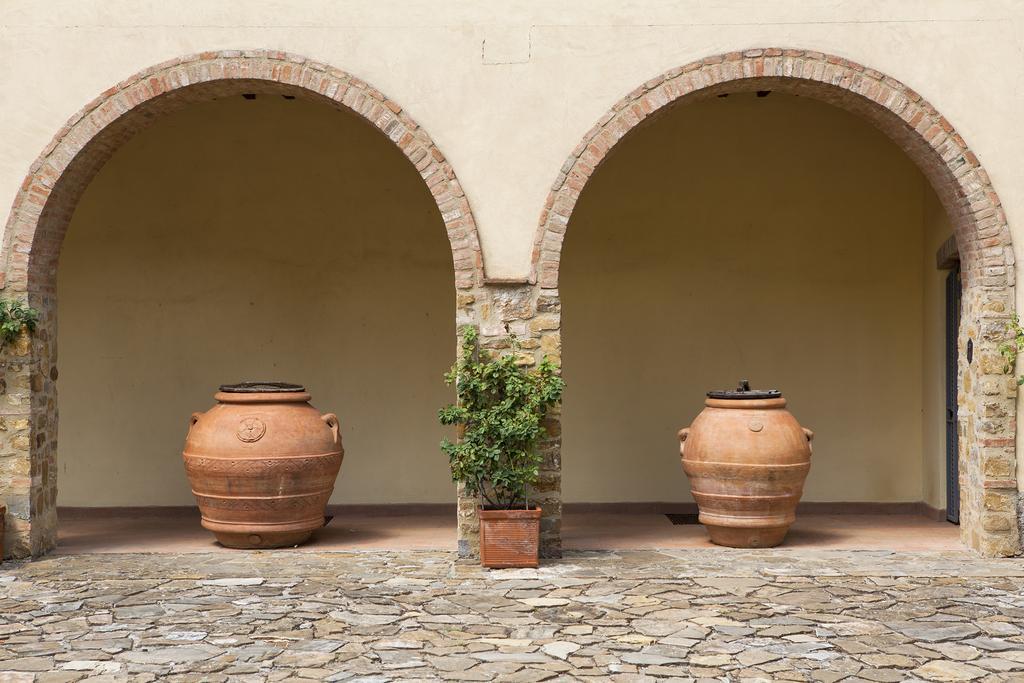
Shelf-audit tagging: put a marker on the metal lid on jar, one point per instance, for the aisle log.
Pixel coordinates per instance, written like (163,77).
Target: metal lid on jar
(744,392)
(261,388)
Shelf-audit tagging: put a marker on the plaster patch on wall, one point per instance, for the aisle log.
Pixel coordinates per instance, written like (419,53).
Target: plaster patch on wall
(506,45)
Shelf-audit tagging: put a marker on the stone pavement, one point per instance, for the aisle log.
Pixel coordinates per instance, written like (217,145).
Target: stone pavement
(622,616)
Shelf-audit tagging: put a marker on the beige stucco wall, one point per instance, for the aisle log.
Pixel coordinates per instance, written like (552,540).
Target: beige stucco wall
(508,90)
(262,239)
(788,252)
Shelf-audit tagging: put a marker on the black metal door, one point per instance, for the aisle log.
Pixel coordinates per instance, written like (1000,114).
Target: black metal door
(952,438)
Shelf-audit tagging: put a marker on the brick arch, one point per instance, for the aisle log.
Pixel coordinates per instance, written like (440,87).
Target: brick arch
(987,396)
(46,201)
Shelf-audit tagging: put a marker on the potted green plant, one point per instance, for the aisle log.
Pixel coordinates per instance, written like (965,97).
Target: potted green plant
(500,415)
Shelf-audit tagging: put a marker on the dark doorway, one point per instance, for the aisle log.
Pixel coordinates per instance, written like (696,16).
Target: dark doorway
(952,440)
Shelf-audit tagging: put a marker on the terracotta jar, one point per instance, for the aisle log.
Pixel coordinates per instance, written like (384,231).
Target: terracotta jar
(509,538)
(747,458)
(262,464)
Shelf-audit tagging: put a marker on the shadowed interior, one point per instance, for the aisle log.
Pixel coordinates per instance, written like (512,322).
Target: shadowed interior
(242,239)
(773,238)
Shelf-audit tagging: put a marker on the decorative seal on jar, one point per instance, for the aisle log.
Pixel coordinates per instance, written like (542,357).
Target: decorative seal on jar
(251,429)
(262,464)
(747,458)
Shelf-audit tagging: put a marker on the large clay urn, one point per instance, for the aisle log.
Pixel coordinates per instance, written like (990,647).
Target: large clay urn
(747,458)
(262,464)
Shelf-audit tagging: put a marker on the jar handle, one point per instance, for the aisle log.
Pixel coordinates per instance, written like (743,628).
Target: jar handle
(810,437)
(192,420)
(684,433)
(331,420)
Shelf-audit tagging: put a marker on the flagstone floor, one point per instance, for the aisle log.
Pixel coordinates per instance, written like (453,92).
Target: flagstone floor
(684,614)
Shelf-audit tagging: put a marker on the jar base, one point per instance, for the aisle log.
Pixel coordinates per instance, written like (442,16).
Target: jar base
(278,539)
(746,537)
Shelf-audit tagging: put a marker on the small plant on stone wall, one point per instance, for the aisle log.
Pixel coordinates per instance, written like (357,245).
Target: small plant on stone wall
(14,317)
(500,412)
(1012,348)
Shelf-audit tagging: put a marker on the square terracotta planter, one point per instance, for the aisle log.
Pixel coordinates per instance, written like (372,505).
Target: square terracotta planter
(509,538)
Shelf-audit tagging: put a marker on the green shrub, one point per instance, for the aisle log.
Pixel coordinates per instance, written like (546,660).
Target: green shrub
(15,315)
(500,410)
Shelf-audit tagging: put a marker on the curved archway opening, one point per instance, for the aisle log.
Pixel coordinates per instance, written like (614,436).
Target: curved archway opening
(224,224)
(263,238)
(767,237)
(983,395)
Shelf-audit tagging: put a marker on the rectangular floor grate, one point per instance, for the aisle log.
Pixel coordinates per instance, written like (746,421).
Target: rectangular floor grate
(684,518)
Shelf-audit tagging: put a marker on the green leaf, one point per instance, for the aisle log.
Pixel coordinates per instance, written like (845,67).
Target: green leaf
(15,316)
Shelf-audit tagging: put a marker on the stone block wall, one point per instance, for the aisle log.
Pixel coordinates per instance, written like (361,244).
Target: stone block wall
(521,309)
(16,468)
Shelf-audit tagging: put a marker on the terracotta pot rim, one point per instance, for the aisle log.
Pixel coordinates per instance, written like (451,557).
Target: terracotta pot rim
(745,404)
(269,397)
(533,512)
